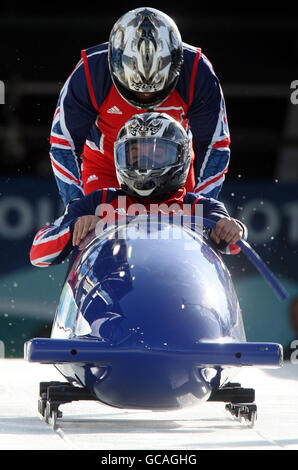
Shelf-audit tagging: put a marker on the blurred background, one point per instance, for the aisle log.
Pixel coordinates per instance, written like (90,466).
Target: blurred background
(254,54)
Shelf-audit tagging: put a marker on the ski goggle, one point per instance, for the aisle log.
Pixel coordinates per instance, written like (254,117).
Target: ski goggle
(147,153)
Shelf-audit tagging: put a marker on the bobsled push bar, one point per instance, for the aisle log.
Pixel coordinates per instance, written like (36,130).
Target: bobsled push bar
(59,351)
(254,258)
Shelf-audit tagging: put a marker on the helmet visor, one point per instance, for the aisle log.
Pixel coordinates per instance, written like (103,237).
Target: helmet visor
(147,153)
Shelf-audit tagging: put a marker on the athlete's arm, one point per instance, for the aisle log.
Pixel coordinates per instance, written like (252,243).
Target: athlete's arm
(228,231)
(73,119)
(54,242)
(209,127)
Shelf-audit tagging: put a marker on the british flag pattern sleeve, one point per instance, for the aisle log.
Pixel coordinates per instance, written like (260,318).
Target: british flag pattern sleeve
(73,118)
(49,243)
(53,242)
(209,127)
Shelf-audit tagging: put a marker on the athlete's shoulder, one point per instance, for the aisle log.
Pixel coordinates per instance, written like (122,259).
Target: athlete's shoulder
(113,193)
(190,53)
(189,50)
(105,194)
(96,67)
(92,57)
(97,56)
(190,198)
(88,203)
(97,50)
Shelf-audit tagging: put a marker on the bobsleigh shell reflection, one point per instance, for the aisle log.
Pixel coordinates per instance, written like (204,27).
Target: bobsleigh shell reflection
(154,290)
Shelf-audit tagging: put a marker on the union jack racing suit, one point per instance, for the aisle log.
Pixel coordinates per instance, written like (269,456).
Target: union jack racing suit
(90,112)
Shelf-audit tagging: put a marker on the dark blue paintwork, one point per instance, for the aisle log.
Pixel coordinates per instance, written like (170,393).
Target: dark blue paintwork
(153,295)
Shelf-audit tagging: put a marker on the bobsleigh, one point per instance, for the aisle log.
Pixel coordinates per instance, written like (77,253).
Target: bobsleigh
(148,318)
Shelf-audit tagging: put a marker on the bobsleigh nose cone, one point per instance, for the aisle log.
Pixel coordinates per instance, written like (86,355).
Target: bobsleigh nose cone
(154,384)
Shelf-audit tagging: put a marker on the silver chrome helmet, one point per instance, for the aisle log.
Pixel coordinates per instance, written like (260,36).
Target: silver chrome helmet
(145,57)
(152,156)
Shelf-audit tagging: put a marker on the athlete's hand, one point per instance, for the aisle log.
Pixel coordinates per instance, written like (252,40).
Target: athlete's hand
(83,226)
(226,229)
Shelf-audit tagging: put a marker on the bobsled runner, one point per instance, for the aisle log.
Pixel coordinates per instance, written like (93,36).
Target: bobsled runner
(148,318)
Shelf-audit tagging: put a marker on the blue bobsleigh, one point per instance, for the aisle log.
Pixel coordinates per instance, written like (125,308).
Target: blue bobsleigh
(148,318)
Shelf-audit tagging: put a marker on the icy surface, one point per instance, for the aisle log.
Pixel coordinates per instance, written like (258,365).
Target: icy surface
(90,425)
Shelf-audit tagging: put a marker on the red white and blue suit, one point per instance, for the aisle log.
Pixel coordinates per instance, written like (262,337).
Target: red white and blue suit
(53,243)
(90,113)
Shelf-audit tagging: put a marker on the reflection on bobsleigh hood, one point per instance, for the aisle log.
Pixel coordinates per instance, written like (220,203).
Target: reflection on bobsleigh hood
(150,322)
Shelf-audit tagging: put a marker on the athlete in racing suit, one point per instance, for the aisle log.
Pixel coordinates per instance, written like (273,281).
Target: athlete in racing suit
(94,104)
(54,242)
(152,160)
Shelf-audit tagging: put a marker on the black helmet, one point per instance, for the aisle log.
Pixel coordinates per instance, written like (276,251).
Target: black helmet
(145,57)
(152,156)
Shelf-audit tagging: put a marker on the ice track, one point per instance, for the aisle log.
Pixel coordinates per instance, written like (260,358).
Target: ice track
(92,426)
